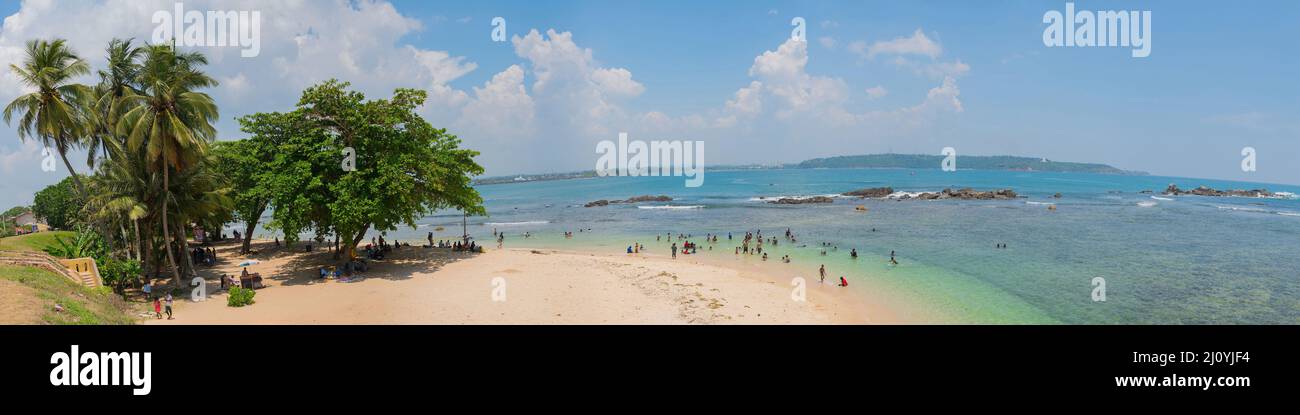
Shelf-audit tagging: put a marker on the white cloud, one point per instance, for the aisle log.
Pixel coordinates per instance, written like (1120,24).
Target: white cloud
(501,108)
(917,44)
(27,155)
(936,70)
(617,81)
(541,114)
(827,42)
(877,92)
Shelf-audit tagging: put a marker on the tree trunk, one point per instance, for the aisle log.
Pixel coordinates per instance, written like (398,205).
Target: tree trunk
(191,272)
(352,247)
(249,227)
(167,236)
(335,246)
(135,223)
(81,194)
(81,190)
(126,246)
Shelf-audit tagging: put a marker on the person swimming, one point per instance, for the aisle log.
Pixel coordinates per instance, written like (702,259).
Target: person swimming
(853,253)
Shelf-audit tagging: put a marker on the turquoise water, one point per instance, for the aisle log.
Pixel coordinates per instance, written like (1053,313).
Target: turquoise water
(1189,260)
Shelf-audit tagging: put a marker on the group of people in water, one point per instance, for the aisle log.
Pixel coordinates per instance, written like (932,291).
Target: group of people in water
(751,244)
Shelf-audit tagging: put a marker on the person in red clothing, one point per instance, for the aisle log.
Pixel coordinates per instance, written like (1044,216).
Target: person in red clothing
(843,282)
(157,308)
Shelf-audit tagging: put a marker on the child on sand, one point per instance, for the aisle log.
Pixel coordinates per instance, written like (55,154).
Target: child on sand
(823,272)
(157,308)
(168,305)
(843,282)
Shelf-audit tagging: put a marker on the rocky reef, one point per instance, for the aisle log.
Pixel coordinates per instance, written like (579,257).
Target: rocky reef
(637,199)
(802,200)
(965,194)
(872,192)
(1173,190)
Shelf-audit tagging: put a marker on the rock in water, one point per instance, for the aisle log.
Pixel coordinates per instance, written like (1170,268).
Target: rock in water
(800,201)
(637,199)
(874,192)
(1173,190)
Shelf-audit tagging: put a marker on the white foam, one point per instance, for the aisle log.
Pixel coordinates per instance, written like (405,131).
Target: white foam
(1027,202)
(772,198)
(671,207)
(1162,198)
(1244,209)
(910,195)
(1147,204)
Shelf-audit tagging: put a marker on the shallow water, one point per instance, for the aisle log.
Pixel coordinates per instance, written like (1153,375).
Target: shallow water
(1165,260)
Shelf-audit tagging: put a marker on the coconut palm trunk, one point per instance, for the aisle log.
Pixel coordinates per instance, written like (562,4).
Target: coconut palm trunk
(135,223)
(167,235)
(190,271)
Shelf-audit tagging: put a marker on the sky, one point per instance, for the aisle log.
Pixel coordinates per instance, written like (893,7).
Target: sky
(868,77)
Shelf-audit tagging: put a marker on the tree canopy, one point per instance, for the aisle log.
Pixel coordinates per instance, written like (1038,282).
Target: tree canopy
(404,167)
(59,205)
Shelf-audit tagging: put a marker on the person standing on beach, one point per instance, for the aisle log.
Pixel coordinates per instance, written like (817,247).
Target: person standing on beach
(168,305)
(157,308)
(674,250)
(822,271)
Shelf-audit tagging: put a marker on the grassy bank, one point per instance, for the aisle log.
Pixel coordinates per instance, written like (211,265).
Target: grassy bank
(30,296)
(33,242)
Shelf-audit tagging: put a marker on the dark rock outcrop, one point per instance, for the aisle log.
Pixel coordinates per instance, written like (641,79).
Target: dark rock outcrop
(637,199)
(873,192)
(1173,190)
(800,201)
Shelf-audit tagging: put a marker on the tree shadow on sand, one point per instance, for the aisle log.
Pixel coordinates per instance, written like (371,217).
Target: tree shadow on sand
(399,264)
(303,268)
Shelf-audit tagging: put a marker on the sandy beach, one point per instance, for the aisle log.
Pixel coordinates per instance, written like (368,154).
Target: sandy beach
(418,285)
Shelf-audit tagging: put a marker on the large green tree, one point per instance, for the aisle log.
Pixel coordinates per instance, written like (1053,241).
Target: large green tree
(54,111)
(404,167)
(59,205)
(248,166)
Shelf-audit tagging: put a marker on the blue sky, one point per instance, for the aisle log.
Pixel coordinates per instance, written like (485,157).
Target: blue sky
(1221,76)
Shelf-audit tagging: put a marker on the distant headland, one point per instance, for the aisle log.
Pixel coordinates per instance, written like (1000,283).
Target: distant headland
(869,161)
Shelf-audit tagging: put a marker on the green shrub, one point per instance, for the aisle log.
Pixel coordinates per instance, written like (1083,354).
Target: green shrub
(118,272)
(240,297)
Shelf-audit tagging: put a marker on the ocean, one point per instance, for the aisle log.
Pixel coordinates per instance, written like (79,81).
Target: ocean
(1164,259)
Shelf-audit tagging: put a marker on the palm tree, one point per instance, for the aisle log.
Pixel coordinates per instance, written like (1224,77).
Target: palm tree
(54,112)
(120,79)
(169,121)
(123,188)
(198,194)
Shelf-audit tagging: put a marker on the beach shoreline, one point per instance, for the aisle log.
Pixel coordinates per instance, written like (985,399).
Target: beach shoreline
(417,285)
